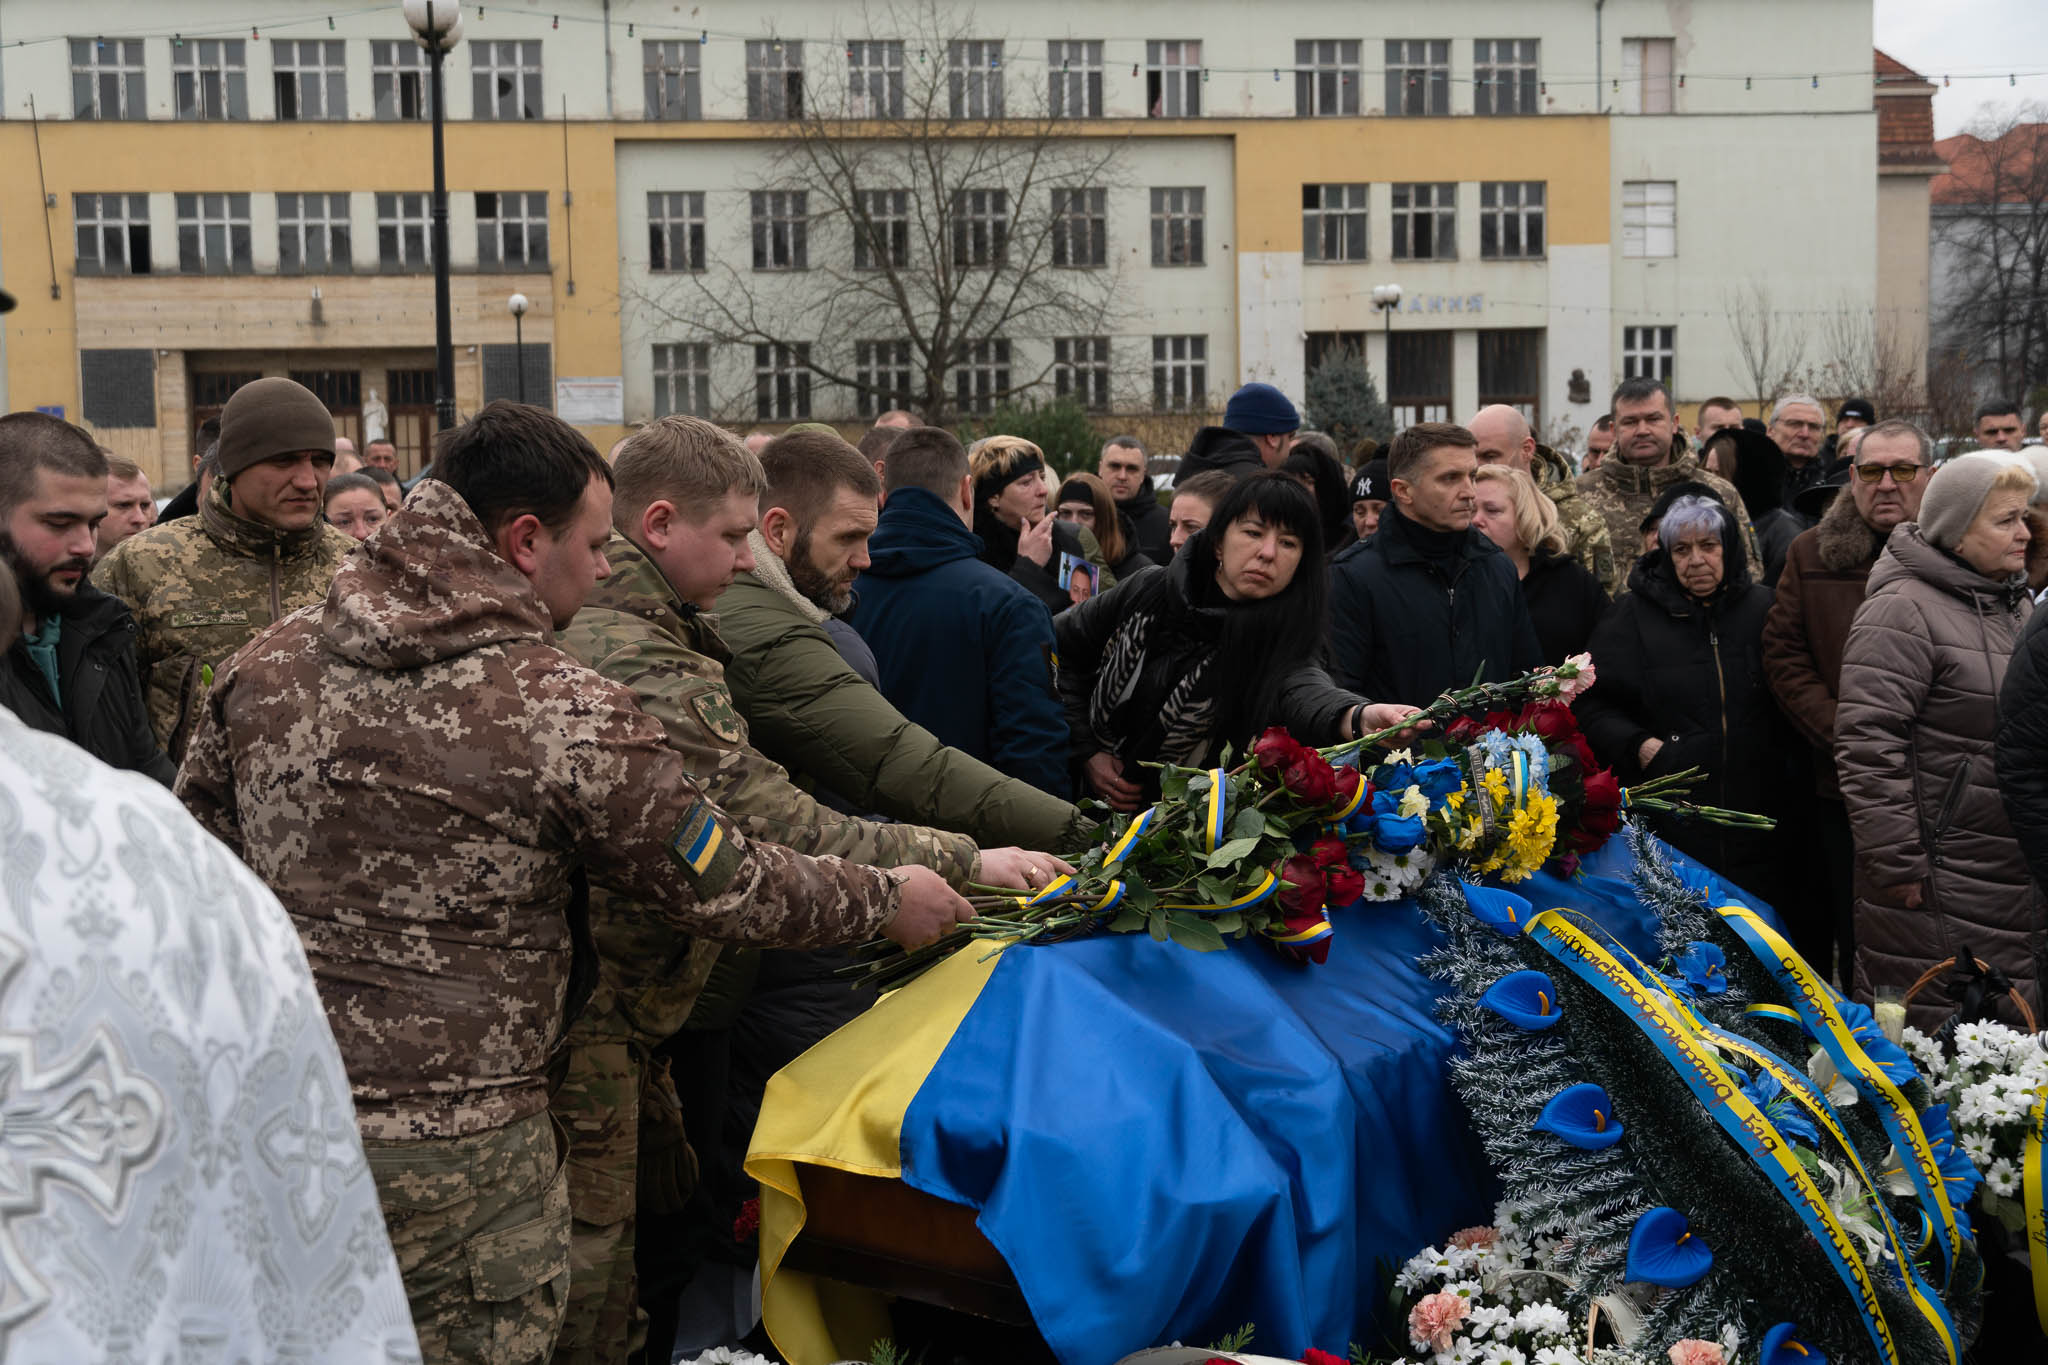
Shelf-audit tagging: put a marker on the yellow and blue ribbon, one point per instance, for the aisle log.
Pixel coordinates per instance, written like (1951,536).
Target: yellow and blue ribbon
(1781,1013)
(1064,885)
(1216,811)
(1350,808)
(2033,1187)
(1121,849)
(1263,889)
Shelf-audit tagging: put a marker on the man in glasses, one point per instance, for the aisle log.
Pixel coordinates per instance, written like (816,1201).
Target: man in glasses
(1822,586)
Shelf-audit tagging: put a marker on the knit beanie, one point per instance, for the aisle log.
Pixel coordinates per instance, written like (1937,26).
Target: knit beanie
(1372,483)
(1260,410)
(1955,494)
(267,417)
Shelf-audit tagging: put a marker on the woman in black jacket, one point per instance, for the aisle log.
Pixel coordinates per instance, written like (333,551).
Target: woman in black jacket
(1175,662)
(1565,601)
(1753,463)
(1085,502)
(1681,685)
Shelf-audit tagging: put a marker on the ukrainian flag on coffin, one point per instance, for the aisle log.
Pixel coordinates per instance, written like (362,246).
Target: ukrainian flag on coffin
(1161,1144)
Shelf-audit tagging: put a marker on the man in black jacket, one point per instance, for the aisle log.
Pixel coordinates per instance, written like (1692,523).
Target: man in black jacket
(1258,429)
(71,668)
(1124,466)
(1427,603)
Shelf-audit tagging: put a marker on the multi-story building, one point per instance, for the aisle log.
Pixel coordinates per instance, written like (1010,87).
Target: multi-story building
(1566,192)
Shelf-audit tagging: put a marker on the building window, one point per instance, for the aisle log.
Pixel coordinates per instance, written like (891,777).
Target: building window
(1080,371)
(310,78)
(405,240)
(675,230)
(1326,77)
(1504,76)
(1510,219)
(312,234)
(682,377)
(1173,79)
(1177,226)
(882,240)
(505,80)
(781,230)
(981,227)
(211,79)
(1426,222)
(398,81)
(1511,370)
(1180,373)
(782,382)
(106,79)
(775,79)
(1646,75)
(675,87)
(1419,377)
(974,79)
(1080,227)
(1646,352)
(1333,223)
(213,234)
(982,378)
(113,233)
(1649,218)
(511,229)
(882,370)
(874,80)
(1418,76)
(1074,79)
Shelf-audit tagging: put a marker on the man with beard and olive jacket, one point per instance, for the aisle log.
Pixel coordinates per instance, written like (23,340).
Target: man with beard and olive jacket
(70,669)
(420,775)
(203,586)
(688,496)
(1257,432)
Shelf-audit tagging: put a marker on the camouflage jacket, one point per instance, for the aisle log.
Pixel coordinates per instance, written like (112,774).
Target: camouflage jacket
(636,632)
(1586,537)
(200,588)
(1623,495)
(417,772)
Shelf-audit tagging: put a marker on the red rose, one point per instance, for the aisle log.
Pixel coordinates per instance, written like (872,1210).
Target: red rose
(1329,851)
(1347,785)
(1310,779)
(1315,1357)
(1500,720)
(1552,724)
(1463,730)
(1602,789)
(1582,754)
(1304,893)
(1275,750)
(1343,886)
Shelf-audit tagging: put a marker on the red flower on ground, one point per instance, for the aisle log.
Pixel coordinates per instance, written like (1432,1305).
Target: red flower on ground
(1314,1357)
(1602,790)
(1310,779)
(1463,730)
(1342,885)
(1329,851)
(1275,750)
(1347,786)
(1551,723)
(1304,893)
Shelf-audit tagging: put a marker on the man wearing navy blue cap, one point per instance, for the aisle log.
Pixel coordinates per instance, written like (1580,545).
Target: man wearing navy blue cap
(1258,428)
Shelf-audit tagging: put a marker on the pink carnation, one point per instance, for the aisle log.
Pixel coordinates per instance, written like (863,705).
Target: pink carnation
(1693,1351)
(1475,1239)
(1575,676)
(1431,1321)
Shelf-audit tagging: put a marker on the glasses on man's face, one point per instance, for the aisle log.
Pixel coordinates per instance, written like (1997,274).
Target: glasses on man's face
(1901,473)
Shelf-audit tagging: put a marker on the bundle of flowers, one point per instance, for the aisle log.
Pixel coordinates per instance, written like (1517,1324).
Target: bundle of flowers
(1990,1085)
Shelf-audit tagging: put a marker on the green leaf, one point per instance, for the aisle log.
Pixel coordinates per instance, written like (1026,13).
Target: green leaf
(1193,931)
(1129,920)
(1214,891)
(1248,823)
(1156,922)
(1229,922)
(1173,785)
(1232,853)
(1138,896)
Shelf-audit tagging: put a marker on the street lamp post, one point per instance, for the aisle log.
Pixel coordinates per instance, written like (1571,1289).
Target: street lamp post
(437,24)
(517,303)
(1387,298)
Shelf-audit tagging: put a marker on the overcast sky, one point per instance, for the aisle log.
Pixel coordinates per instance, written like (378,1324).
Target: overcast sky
(1984,39)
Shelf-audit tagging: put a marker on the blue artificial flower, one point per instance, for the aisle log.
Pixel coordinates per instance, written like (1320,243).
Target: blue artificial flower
(1767,1093)
(1438,778)
(1704,967)
(1581,1115)
(1783,1347)
(1525,999)
(1360,820)
(1398,776)
(1891,1059)
(1662,1251)
(1502,911)
(1958,1172)
(1392,831)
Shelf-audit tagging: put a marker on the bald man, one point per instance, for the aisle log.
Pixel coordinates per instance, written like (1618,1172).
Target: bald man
(1504,438)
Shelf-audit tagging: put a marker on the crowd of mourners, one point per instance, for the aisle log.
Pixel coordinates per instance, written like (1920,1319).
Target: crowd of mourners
(580,776)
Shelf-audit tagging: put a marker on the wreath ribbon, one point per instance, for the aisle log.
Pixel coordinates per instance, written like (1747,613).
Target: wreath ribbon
(2034,1183)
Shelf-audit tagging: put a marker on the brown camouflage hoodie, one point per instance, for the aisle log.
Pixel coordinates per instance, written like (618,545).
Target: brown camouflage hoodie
(416,771)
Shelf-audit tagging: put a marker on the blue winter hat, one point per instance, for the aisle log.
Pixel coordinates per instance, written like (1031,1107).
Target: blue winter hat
(1260,410)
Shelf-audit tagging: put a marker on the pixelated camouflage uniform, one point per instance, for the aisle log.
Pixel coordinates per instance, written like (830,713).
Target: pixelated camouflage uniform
(1586,537)
(1623,494)
(638,633)
(201,587)
(418,773)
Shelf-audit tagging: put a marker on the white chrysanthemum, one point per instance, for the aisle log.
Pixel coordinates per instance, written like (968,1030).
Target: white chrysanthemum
(1491,1320)
(1503,1355)
(2004,1178)
(1413,802)
(1544,1321)
(1556,1355)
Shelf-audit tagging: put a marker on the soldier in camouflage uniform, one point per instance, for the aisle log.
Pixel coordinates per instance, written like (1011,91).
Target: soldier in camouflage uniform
(202,587)
(419,774)
(690,492)
(1649,456)
(1504,438)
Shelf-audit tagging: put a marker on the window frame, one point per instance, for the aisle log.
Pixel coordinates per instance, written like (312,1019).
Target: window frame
(1648,232)
(1523,213)
(687,71)
(1418,86)
(1171,79)
(865,75)
(775,80)
(230,70)
(780,219)
(1523,65)
(91,70)
(331,226)
(887,215)
(1318,219)
(1650,342)
(981,229)
(328,75)
(486,70)
(1336,75)
(493,229)
(1189,215)
(1073,67)
(687,363)
(1081,369)
(196,212)
(1080,212)
(989,359)
(1644,88)
(974,79)
(670,213)
(892,374)
(395,67)
(1180,383)
(394,222)
(1443,219)
(132,214)
(782,381)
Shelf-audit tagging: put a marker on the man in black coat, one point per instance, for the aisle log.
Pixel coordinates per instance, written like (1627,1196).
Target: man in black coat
(71,670)
(2022,747)
(1258,429)
(1427,603)
(1124,467)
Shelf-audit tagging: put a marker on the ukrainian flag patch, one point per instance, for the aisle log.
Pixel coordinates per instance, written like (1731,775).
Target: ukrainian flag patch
(702,850)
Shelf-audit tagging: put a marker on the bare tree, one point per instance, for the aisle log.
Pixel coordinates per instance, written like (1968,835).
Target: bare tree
(1857,358)
(922,208)
(1772,344)
(1991,231)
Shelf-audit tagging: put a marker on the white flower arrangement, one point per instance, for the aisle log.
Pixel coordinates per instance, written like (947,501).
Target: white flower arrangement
(1390,876)
(1989,1087)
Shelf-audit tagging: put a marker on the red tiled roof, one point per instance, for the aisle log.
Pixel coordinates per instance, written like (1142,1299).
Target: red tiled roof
(1905,116)
(2004,168)
(1890,69)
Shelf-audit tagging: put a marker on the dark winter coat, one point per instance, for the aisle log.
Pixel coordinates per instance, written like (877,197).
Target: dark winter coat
(1565,603)
(1233,452)
(1690,673)
(1761,477)
(1914,743)
(102,711)
(1147,527)
(1808,628)
(2022,747)
(963,650)
(1404,629)
(1131,669)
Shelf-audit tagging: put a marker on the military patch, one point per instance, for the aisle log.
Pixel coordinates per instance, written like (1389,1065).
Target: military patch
(185,620)
(702,850)
(714,709)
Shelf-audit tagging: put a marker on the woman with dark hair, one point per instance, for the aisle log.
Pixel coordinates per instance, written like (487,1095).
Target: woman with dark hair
(1085,502)
(1314,461)
(1177,661)
(1753,463)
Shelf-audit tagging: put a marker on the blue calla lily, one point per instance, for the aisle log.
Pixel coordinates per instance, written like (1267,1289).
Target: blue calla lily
(1525,999)
(1582,1116)
(1767,1093)
(1503,911)
(1662,1251)
(1782,1346)
(1438,778)
(1703,966)
(1958,1172)
(1889,1056)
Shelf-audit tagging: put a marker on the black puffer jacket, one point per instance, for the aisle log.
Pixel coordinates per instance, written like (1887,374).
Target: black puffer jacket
(1147,526)
(103,712)
(2022,745)
(1233,452)
(1691,674)
(1762,478)
(1565,604)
